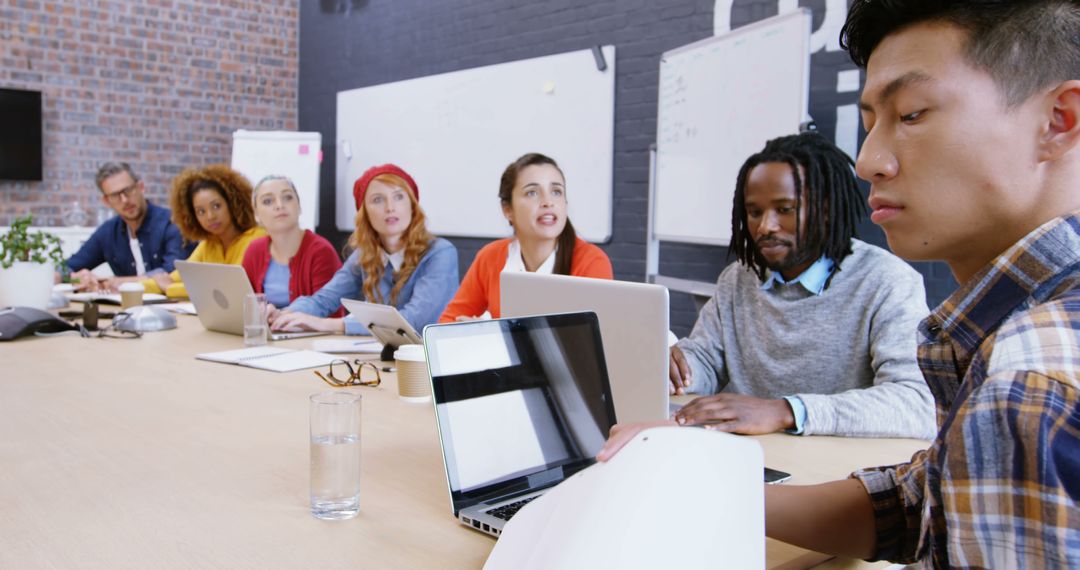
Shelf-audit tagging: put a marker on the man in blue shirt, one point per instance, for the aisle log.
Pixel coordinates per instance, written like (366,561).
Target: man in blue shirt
(139,241)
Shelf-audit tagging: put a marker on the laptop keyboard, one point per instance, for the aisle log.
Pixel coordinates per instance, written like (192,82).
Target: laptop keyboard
(506,511)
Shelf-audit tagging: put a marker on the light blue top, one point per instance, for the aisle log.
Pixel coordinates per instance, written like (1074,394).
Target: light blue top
(276,284)
(421,301)
(813,280)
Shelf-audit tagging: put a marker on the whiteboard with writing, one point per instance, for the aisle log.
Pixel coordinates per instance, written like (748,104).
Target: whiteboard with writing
(720,100)
(456,132)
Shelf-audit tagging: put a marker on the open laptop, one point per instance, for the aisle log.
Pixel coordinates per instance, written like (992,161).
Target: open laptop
(217,290)
(521,404)
(633,322)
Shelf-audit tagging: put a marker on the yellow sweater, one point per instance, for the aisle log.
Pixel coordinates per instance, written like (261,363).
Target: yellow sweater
(209,251)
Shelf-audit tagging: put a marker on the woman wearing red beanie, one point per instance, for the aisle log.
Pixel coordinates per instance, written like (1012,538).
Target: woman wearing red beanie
(395,261)
(533,196)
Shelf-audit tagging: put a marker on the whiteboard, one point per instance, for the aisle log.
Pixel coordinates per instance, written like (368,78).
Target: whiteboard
(256,154)
(456,132)
(720,100)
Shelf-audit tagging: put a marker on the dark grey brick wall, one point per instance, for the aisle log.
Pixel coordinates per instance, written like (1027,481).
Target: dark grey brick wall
(345,44)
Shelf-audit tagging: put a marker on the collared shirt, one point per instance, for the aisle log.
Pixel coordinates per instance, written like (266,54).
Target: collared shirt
(396,260)
(159,241)
(1000,484)
(813,279)
(516,264)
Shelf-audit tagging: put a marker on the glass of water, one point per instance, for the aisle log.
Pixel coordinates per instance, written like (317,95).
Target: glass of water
(335,454)
(256,330)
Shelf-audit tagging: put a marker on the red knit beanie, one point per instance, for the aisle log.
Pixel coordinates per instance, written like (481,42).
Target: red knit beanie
(361,185)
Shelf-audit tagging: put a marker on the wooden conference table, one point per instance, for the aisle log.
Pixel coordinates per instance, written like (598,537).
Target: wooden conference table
(132,454)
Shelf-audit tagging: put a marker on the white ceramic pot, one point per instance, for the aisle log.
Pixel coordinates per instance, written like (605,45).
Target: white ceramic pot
(26,284)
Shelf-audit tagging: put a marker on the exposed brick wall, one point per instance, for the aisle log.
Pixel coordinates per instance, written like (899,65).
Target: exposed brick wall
(161,84)
(347,44)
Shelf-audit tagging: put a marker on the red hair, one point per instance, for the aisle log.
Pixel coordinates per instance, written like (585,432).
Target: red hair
(417,240)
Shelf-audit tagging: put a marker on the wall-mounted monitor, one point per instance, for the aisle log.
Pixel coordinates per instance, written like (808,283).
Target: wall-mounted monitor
(20,136)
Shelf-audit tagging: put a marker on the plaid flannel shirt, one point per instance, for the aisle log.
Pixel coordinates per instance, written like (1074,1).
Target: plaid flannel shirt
(999,486)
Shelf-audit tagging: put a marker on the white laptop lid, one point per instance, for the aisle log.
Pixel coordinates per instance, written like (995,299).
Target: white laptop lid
(217,291)
(633,323)
(521,404)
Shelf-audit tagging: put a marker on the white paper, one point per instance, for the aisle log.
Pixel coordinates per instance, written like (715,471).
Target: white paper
(270,358)
(187,308)
(347,346)
(681,498)
(111,298)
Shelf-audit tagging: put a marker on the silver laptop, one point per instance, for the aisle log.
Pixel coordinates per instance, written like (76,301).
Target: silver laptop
(521,404)
(634,324)
(217,290)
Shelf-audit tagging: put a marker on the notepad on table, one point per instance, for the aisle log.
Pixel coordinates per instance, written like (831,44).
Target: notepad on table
(113,298)
(270,358)
(347,346)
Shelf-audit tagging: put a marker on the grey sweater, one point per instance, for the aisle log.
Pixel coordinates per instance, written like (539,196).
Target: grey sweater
(848,353)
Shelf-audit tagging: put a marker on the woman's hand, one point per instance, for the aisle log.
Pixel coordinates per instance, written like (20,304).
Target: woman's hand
(294,321)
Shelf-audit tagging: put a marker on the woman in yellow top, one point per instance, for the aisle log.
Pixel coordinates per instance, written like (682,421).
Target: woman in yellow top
(211,205)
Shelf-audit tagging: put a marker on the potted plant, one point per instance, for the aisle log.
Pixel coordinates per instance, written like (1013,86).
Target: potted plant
(27,263)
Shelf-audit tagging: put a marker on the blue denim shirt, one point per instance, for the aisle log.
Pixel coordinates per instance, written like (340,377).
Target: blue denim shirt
(158,237)
(421,301)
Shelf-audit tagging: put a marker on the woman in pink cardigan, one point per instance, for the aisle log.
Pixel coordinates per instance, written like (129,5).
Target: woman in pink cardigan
(289,262)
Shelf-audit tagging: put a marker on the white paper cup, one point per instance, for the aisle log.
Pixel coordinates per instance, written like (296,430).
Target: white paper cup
(131,294)
(414,385)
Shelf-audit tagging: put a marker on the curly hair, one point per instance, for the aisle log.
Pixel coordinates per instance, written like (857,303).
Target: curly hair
(417,240)
(233,187)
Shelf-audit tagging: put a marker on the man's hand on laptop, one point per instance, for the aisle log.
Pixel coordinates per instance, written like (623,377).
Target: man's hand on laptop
(291,321)
(738,413)
(621,434)
(678,372)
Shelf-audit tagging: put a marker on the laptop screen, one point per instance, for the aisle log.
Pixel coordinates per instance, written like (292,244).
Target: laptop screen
(520,402)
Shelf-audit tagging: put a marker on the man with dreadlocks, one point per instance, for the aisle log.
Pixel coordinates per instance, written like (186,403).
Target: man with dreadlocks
(972,151)
(812,331)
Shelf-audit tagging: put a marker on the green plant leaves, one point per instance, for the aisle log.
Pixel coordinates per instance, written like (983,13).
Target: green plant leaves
(18,244)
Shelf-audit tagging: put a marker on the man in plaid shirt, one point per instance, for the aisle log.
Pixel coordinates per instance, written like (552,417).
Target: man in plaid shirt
(972,113)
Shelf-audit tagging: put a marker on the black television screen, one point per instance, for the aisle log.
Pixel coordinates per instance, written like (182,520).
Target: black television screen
(20,135)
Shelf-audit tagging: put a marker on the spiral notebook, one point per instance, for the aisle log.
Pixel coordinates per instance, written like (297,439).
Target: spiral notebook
(270,358)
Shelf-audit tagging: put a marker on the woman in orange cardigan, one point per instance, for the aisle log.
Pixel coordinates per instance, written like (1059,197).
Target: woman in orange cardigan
(533,196)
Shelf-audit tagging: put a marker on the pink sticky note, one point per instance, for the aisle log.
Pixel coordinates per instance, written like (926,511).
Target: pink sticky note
(304,149)
(320,157)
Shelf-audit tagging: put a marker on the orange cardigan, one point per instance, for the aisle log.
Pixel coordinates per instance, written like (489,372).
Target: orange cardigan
(479,290)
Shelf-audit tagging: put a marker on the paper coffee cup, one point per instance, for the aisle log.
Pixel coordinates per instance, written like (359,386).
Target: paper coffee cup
(131,295)
(414,384)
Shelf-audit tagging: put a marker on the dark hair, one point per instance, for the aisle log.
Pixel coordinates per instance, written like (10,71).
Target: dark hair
(233,187)
(834,203)
(110,169)
(1024,46)
(566,240)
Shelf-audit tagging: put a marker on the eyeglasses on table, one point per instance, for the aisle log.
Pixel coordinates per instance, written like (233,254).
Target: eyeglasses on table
(343,374)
